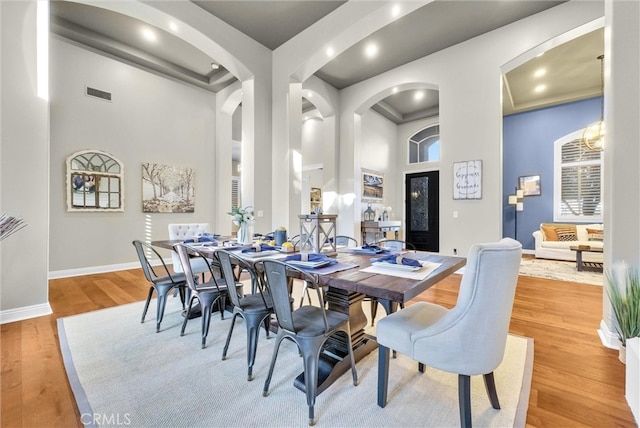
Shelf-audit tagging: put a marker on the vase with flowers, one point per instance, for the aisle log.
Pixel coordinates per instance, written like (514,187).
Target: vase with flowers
(243,218)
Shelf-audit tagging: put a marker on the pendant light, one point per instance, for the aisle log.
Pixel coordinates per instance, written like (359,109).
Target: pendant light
(593,136)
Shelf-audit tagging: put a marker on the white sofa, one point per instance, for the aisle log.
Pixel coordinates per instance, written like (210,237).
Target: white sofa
(559,250)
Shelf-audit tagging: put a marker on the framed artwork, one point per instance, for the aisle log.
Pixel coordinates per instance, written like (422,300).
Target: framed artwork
(372,186)
(530,185)
(316,198)
(467,180)
(167,189)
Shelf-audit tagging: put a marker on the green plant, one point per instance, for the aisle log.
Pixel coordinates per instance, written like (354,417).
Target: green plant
(623,289)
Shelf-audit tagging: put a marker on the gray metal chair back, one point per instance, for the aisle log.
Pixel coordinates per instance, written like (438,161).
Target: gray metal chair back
(309,326)
(254,308)
(346,241)
(162,283)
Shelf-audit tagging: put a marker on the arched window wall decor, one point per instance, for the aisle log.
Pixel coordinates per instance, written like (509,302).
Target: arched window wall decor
(94,182)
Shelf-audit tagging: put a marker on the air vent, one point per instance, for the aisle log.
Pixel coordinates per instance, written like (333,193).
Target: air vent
(97,93)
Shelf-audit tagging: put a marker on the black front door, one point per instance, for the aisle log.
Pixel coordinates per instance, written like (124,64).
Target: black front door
(422,207)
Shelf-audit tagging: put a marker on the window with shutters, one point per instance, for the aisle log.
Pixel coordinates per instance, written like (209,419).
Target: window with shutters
(577,181)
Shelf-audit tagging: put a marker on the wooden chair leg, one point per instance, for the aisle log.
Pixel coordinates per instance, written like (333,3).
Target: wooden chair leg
(464,400)
(383,374)
(490,386)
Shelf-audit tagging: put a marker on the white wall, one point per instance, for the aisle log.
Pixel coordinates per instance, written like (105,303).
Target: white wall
(150,119)
(24,166)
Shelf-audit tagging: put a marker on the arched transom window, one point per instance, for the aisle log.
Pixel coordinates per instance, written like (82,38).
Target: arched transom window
(424,145)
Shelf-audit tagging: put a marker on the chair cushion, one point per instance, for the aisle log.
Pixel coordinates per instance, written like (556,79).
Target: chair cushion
(395,330)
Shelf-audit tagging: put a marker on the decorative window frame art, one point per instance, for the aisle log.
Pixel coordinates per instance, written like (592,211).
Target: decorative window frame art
(467,180)
(372,186)
(530,185)
(167,189)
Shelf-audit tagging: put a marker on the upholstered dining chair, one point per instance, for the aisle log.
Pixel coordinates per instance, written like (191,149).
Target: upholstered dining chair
(162,283)
(183,232)
(207,294)
(470,338)
(308,326)
(255,309)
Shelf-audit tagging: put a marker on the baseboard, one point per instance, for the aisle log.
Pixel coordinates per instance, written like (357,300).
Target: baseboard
(607,337)
(19,314)
(97,269)
(525,251)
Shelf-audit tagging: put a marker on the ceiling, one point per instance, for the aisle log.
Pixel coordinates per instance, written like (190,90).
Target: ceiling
(573,72)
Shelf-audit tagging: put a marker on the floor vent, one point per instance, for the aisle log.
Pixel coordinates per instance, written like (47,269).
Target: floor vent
(97,93)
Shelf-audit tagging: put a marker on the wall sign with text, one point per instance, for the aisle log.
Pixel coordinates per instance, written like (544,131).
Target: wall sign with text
(467,180)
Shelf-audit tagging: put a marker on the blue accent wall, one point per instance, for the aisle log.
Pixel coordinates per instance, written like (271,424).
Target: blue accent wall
(528,150)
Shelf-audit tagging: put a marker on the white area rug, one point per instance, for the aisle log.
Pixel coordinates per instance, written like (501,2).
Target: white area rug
(558,270)
(121,371)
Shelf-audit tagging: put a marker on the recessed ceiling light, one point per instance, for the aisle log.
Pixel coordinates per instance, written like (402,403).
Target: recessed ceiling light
(330,52)
(173,26)
(215,66)
(418,95)
(395,10)
(149,34)
(394,90)
(309,94)
(540,54)
(540,72)
(371,50)
(540,88)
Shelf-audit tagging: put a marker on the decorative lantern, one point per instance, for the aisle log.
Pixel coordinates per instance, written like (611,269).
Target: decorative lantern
(369,214)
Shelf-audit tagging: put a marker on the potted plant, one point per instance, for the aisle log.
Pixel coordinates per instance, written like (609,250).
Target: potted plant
(623,289)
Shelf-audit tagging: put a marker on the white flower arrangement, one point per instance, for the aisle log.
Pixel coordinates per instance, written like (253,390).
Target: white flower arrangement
(242,215)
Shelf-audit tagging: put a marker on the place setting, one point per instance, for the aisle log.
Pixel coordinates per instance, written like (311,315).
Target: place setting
(399,265)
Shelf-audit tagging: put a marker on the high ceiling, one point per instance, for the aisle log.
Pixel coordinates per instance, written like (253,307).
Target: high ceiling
(573,72)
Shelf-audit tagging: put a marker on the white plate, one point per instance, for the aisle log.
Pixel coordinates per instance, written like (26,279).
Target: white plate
(396,266)
(309,265)
(257,254)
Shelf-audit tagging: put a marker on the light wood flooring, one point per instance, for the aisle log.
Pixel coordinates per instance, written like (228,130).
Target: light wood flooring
(576,381)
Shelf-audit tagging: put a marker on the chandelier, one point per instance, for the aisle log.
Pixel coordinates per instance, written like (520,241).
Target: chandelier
(593,136)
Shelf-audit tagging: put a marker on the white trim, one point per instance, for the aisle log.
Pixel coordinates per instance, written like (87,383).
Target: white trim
(607,337)
(26,312)
(97,269)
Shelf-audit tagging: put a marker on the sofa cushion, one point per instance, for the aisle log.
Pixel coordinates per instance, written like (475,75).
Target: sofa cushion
(549,233)
(566,234)
(595,234)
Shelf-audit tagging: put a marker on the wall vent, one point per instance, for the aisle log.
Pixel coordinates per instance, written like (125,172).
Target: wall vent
(97,93)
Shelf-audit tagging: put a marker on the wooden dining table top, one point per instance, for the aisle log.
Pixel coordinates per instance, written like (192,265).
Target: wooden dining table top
(389,287)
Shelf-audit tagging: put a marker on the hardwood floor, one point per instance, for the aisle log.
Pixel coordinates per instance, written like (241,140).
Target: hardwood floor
(576,381)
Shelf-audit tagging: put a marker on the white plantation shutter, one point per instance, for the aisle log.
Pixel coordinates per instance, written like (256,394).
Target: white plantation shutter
(578,181)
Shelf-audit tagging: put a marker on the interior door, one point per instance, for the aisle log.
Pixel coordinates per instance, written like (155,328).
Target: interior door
(422,202)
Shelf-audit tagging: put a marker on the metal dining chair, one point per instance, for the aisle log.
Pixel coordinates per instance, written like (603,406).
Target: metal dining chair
(308,326)
(161,283)
(207,294)
(255,309)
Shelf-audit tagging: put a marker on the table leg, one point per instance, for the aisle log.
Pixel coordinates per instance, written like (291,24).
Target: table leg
(579,265)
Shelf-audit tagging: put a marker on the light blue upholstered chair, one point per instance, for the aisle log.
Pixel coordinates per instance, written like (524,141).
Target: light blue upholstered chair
(470,338)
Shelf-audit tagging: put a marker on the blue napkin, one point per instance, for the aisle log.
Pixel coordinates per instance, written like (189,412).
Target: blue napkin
(205,237)
(393,259)
(371,249)
(312,257)
(258,247)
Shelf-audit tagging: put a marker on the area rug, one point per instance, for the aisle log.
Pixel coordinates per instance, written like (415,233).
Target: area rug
(122,372)
(558,270)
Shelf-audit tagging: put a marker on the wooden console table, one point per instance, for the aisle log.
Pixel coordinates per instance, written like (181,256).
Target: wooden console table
(379,228)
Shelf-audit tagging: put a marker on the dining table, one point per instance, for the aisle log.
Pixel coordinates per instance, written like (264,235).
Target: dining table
(355,276)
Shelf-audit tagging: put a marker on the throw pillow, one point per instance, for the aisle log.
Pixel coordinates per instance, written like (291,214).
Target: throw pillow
(568,234)
(549,233)
(595,234)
